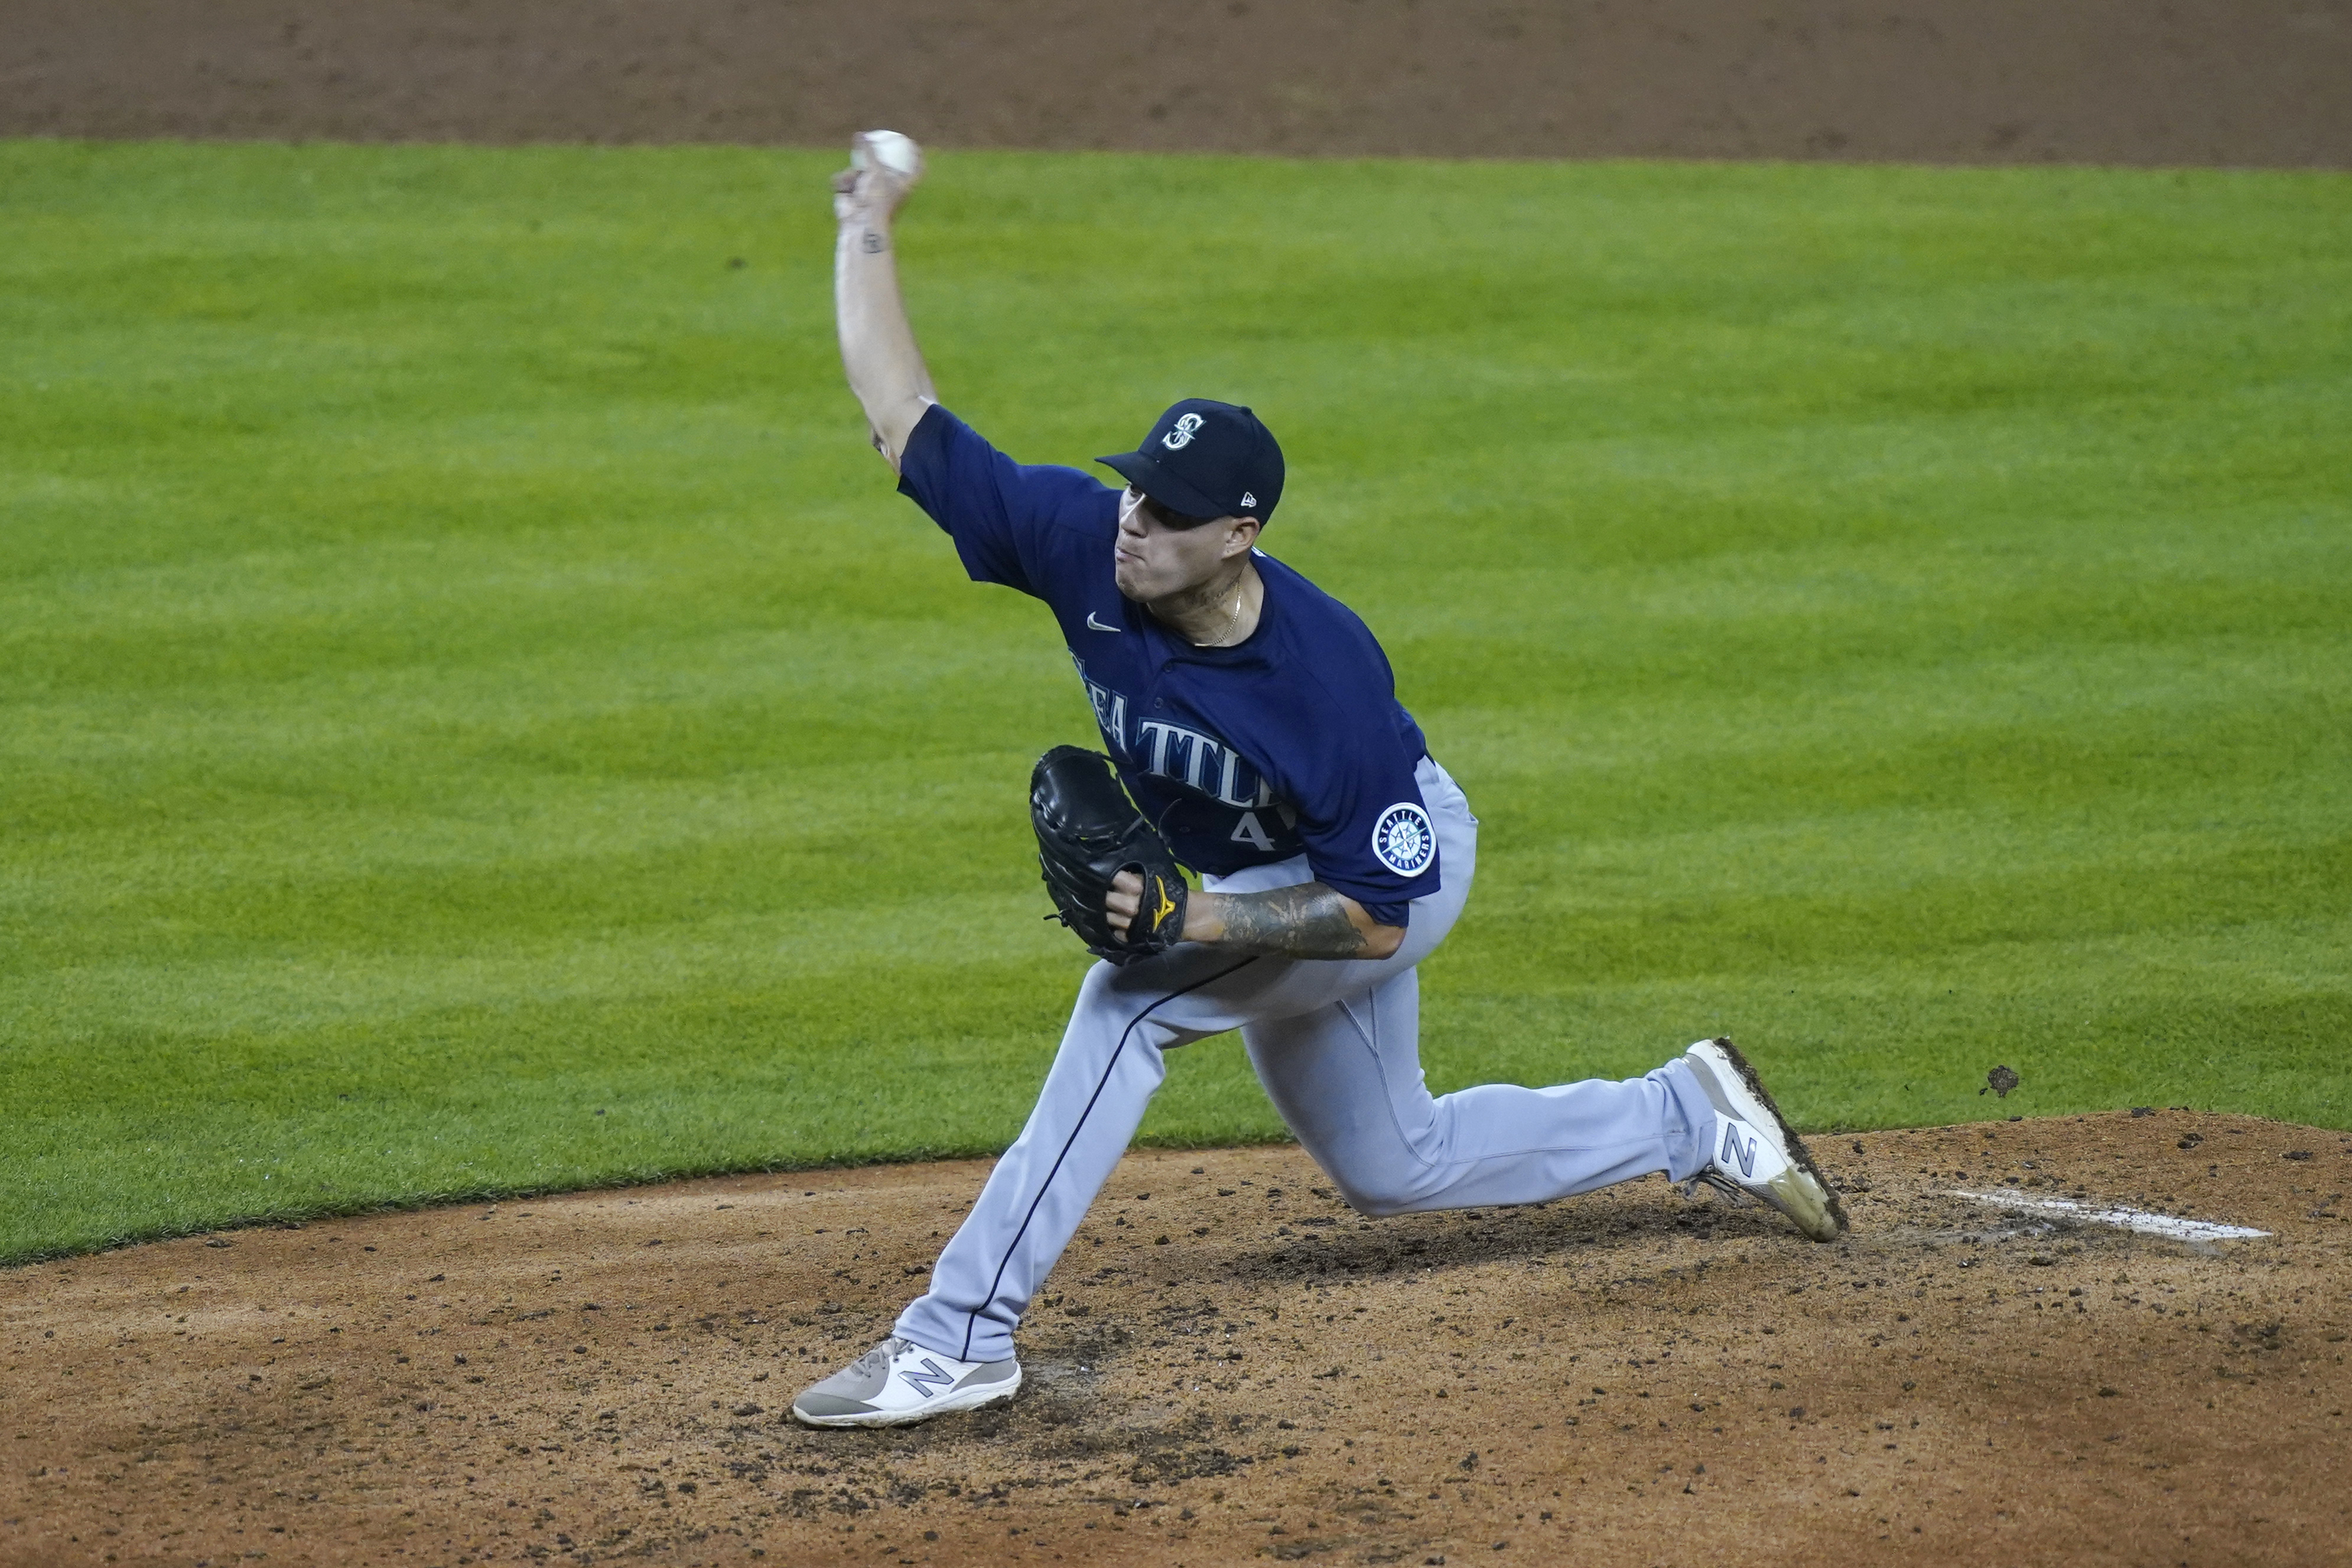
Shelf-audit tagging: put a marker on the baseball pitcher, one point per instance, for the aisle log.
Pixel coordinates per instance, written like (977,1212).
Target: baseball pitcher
(1250,732)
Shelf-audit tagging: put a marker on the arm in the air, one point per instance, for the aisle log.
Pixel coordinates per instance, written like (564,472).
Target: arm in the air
(1305,920)
(877,343)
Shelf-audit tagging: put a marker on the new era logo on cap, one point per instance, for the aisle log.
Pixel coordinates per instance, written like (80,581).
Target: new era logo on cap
(1205,459)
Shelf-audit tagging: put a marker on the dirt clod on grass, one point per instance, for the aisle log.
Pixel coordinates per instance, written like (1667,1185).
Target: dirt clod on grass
(1626,1375)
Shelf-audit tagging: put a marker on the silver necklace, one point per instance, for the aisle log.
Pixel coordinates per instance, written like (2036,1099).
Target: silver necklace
(1241,586)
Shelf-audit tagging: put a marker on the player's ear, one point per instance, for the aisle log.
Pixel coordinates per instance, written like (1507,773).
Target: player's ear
(1243,537)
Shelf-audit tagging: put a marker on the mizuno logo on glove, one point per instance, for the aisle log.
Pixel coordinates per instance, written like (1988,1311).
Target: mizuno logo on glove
(1089,835)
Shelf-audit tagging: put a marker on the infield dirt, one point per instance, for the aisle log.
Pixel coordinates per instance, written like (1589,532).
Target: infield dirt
(1969,81)
(1228,1365)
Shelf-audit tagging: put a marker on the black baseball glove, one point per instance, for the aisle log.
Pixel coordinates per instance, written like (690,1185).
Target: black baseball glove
(1088,833)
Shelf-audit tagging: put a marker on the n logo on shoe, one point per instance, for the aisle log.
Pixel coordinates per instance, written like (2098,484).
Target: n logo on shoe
(1732,1150)
(921,1382)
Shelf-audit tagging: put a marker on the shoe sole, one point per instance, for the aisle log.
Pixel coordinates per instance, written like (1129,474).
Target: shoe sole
(946,1404)
(1800,1156)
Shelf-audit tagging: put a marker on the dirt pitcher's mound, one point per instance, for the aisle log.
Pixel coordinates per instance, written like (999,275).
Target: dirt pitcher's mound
(1229,1364)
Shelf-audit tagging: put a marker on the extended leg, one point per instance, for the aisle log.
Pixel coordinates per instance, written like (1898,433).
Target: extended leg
(1347,1077)
(1103,1077)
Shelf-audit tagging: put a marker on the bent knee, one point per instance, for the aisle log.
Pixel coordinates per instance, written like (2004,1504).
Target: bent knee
(1380,1196)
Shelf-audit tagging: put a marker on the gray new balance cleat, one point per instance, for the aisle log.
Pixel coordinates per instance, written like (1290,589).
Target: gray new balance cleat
(898,1382)
(1755,1151)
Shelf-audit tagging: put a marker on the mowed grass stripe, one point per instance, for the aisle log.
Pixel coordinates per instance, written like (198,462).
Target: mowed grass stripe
(463,673)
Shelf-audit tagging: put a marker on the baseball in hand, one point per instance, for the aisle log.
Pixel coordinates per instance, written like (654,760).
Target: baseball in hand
(892,151)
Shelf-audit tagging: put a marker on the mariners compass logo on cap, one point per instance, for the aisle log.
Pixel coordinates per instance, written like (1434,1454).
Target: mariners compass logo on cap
(1205,459)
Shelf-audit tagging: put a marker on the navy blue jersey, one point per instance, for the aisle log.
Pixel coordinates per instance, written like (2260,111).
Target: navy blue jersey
(1290,742)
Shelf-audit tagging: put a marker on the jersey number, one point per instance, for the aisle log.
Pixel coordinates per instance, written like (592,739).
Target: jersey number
(1248,831)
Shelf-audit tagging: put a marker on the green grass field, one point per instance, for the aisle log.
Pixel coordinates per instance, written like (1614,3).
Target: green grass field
(477,717)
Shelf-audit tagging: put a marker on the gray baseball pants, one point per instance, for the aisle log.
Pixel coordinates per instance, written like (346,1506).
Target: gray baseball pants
(1335,1043)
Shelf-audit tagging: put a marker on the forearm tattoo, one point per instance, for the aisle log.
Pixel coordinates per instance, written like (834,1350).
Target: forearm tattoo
(1304,921)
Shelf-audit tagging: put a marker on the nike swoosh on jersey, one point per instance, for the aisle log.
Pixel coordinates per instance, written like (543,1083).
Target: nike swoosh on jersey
(1095,626)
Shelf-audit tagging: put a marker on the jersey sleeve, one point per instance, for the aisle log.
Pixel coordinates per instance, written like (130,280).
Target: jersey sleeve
(1012,525)
(1367,830)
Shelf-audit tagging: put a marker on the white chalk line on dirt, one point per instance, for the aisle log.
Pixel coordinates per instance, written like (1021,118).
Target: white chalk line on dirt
(2142,1220)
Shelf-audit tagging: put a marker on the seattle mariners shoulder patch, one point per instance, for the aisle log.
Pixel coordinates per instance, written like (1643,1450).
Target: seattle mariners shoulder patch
(1403,839)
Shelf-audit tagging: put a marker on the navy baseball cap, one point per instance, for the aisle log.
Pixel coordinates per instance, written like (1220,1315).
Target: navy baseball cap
(1206,459)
